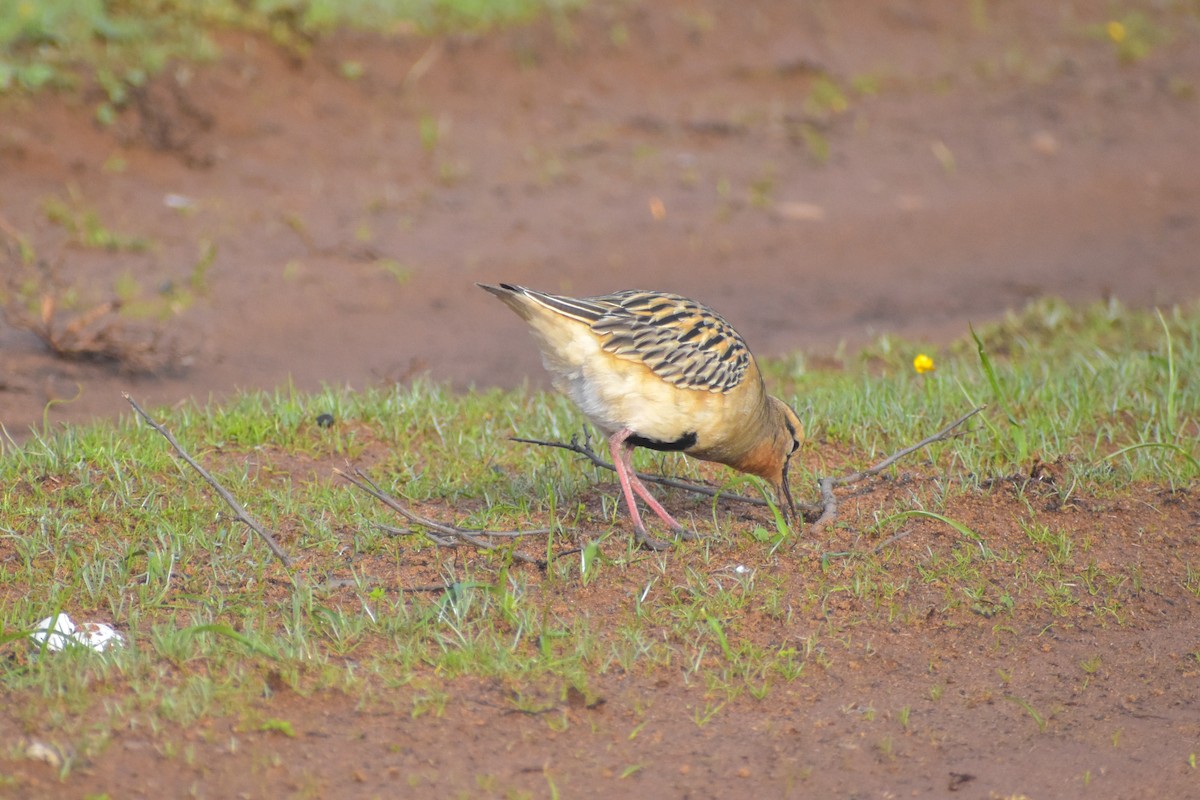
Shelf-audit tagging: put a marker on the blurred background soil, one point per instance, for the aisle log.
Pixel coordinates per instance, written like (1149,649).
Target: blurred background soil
(819,173)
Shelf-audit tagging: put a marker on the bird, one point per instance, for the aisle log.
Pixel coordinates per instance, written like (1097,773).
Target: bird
(658,370)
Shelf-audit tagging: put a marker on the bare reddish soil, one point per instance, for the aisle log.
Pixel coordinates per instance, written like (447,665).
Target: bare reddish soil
(663,145)
(926,698)
(989,167)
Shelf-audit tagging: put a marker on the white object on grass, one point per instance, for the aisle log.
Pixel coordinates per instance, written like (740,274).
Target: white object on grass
(60,632)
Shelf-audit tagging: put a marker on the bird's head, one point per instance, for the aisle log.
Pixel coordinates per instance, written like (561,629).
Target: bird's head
(789,435)
(777,436)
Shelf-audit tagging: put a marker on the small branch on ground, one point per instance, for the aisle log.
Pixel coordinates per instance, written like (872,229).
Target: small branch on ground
(238,511)
(440,533)
(333,584)
(829,503)
(904,534)
(822,513)
(591,455)
(422,64)
(32,301)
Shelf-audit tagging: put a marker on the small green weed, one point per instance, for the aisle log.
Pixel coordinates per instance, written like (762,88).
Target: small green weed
(85,227)
(103,520)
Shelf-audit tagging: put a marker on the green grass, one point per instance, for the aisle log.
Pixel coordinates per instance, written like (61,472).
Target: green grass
(60,43)
(1059,385)
(105,523)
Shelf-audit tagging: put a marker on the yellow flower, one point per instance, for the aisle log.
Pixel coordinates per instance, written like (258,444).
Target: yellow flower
(923,363)
(1116,31)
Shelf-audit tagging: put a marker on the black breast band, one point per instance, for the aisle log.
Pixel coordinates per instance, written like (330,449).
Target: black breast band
(682,443)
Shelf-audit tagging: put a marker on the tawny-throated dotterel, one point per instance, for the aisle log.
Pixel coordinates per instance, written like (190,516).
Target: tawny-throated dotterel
(657,370)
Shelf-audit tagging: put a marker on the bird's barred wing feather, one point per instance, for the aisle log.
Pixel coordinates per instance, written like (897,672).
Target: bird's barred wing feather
(683,342)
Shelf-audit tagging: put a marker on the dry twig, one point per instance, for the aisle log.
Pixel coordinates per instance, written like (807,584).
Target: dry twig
(96,334)
(591,455)
(440,533)
(238,511)
(829,503)
(824,512)
(422,64)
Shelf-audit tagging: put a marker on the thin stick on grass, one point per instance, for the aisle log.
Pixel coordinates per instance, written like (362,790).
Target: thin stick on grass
(829,501)
(238,511)
(334,584)
(440,533)
(591,455)
(825,512)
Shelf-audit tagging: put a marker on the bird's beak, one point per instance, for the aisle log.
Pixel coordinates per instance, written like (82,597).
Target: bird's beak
(785,495)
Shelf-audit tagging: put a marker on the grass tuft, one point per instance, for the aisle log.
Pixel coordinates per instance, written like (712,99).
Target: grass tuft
(104,523)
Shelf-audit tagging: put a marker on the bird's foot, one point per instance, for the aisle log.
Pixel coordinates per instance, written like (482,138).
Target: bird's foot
(649,542)
(684,533)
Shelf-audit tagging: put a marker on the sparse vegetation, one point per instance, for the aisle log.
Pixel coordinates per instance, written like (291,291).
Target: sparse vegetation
(1010,579)
(84,225)
(44,43)
(101,521)
(120,323)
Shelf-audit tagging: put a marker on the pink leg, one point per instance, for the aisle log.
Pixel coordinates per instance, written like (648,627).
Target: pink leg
(622,460)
